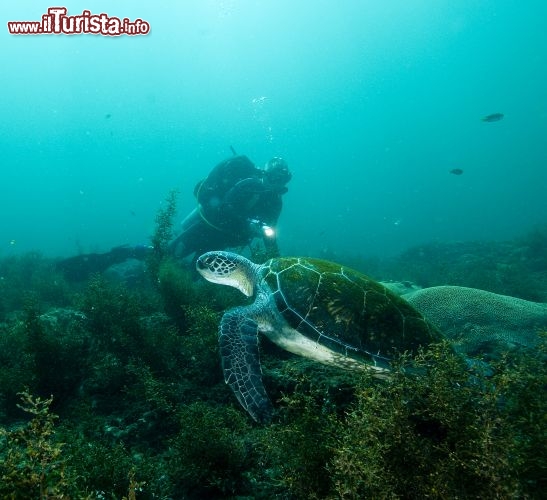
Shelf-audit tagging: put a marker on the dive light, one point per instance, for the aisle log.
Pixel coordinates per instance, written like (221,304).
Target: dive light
(263,228)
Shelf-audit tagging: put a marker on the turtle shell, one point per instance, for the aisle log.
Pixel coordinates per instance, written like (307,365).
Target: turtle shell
(345,310)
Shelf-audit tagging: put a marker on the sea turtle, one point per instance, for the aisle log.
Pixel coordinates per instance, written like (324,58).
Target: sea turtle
(314,308)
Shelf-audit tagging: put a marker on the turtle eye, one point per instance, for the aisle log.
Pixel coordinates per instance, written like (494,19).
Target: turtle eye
(207,262)
(201,264)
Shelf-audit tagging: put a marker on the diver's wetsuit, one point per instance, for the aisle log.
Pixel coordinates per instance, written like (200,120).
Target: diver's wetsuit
(233,194)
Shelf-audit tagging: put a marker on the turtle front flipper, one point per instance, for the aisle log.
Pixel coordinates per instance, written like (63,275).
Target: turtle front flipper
(238,340)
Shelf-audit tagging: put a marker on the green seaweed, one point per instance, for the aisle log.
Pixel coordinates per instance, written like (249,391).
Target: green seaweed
(143,411)
(32,464)
(209,454)
(30,274)
(163,234)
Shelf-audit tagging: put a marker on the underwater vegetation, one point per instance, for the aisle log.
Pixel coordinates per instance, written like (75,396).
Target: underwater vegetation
(110,392)
(32,465)
(436,435)
(28,277)
(163,233)
(430,436)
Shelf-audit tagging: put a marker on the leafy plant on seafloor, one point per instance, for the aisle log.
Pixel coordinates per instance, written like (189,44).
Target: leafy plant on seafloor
(163,234)
(31,460)
(296,450)
(209,454)
(113,315)
(16,366)
(34,463)
(177,289)
(41,352)
(437,433)
(199,347)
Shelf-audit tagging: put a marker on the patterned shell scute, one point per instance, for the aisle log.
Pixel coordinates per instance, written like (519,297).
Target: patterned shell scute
(344,309)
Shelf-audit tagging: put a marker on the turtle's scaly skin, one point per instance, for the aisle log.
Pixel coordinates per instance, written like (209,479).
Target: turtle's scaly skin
(345,310)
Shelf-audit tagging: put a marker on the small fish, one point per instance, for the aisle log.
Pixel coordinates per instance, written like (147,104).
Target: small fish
(456,171)
(107,116)
(494,117)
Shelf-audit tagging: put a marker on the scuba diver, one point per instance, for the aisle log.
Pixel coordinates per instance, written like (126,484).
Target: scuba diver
(236,203)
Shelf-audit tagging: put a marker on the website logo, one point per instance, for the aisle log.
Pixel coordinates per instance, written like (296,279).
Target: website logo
(57,22)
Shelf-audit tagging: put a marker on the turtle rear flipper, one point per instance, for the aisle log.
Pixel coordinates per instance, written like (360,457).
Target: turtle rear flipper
(238,340)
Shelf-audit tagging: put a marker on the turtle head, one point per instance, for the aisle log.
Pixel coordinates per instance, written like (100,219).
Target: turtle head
(227,268)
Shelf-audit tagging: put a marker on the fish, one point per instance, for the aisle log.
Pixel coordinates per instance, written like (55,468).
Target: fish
(456,171)
(494,117)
